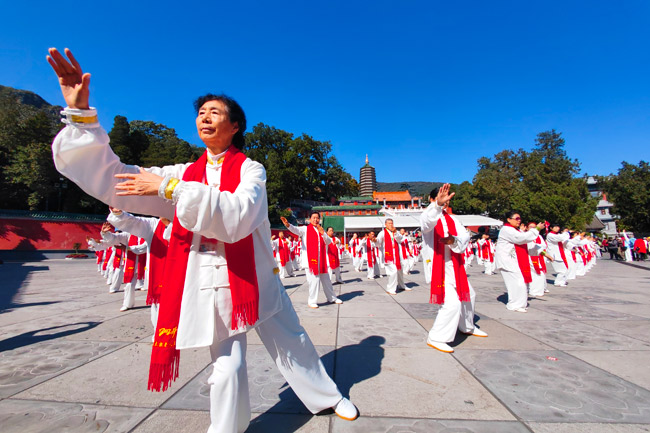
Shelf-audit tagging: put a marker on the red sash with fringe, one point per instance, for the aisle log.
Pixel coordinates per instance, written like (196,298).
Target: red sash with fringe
(109,252)
(562,254)
(283,248)
(157,258)
(522,258)
(487,251)
(369,257)
(316,251)
(242,277)
(117,261)
(391,252)
(99,255)
(438,265)
(333,255)
(131,257)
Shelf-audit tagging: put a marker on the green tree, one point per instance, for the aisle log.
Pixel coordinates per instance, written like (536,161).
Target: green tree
(163,146)
(629,190)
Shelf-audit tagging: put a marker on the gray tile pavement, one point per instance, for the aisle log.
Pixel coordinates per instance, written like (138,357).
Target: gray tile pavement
(576,362)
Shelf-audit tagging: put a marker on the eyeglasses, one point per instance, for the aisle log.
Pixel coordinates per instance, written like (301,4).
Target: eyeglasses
(516,219)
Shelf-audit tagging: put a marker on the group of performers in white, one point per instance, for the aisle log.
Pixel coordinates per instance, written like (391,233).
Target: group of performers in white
(213,271)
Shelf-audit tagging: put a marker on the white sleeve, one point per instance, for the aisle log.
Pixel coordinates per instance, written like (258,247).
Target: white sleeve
(226,216)
(430,217)
(137,226)
(380,239)
(295,230)
(84,156)
(517,237)
(140,248)
(462,238)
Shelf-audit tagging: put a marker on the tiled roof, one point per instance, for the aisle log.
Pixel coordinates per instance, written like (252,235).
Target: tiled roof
(391,196)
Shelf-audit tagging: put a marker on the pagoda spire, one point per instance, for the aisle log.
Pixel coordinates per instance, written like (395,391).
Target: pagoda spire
(366,158)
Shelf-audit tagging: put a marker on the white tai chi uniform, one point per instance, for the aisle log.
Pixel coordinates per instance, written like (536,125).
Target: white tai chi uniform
(427,250)
(145,228)
(395,276)
(555,241)
(315,281)
(334,273)
(537,287)
(287,269)
(356,259)
(628,250)
(487,249)
(367,249)
(570,247)
(129,288)
(82,153)
(505,258)
(454,314)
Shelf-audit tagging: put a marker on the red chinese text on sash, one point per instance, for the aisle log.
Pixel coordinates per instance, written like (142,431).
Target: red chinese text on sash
(438,265)
(242,278)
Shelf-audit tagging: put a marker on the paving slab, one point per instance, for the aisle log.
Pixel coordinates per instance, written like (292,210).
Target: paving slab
(635,329)
(588,428)
(119,378)
(27,416)
(414,383)
(386,309)
(173,421)
(397,332)
(553,386)
(585,312)
(624,364)
(268,389)
(569,335)
(408,425)
(27,366)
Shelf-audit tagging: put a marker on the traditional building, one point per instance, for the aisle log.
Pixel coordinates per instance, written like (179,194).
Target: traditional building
(367,179)
(602,210)
(396,199)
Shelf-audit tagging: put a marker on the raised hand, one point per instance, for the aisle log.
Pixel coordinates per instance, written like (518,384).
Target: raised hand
(75,85)
(143,183)
(115,211)
(540,227)
(443,196)
(106,227)
(284,221)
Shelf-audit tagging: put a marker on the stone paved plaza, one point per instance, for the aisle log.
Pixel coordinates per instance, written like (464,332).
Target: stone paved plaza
(578,361)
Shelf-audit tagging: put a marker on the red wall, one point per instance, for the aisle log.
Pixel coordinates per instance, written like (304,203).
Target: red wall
(28,235)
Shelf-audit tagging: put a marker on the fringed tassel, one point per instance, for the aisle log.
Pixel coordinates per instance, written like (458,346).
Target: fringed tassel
(244,314)
(161,376)
(152,298)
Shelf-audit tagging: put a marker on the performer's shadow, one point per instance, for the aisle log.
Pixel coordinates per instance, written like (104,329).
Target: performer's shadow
(45,334)
(350,295)
(351,364)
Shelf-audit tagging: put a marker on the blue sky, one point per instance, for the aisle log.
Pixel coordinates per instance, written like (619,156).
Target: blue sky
(425,88)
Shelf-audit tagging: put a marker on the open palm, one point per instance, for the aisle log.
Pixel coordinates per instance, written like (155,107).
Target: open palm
(75,85)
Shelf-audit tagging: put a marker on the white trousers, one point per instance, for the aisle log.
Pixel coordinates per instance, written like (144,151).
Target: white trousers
(315,281)
(129,295)
(573,267)
(537,286)
(357,262)
(154,315)
(490,267)
(336,272)
(517,290)
(286,270)
(453,315)
(139,284)
(581,269)
(116,280)
(295,356)
(561,270)
(395,278)
(428,269)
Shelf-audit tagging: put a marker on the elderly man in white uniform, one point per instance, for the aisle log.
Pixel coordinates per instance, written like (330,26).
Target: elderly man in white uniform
(388,241)
(220,208)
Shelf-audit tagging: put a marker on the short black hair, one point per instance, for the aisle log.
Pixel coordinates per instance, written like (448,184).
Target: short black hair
(235,114)
(434,192)
(314,212)
(512,213)
(327,229)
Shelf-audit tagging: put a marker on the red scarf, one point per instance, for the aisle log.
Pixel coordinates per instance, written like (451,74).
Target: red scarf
(109,252)
(284,251)
(117,261)
(131,257)
(487,251)
(369,253)
(353,246)
(405,251)
(391,251)
(522,258)
(316,251)
(99,255)
(538,261)
(157,258)
(560,245)
(333,255)
(242,277)
(438,265)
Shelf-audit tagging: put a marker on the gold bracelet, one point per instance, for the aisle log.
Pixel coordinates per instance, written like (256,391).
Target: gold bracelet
(169,189)
(81,119)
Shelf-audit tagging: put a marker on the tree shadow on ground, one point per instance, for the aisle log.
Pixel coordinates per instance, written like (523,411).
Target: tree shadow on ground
(362,362)
(31,337)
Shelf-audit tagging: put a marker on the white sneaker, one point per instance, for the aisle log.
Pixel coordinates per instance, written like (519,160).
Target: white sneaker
(520,310)
(314,306)
(477,333)
(443,347)
(408,289)
(391,293)
(547,291)
(346,410)
(337,301)
(123,309)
